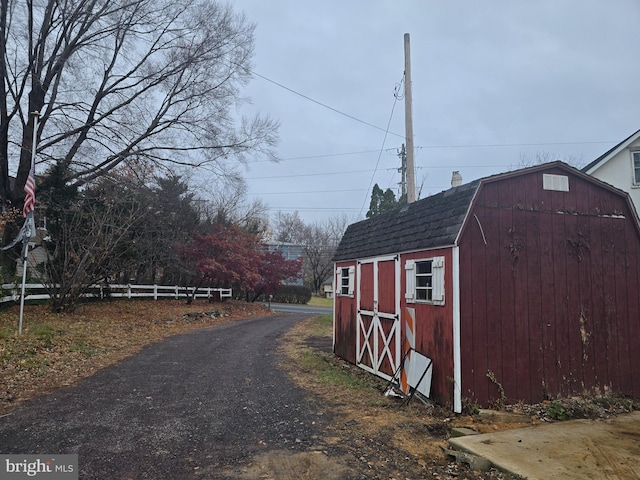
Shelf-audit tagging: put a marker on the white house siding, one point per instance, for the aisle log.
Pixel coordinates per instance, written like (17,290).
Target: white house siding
(617,170)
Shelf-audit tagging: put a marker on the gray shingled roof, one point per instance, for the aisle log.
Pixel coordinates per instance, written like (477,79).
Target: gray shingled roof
(428,223)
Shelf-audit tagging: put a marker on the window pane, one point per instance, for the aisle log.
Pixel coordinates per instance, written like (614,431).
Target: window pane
(423,267)
(424,294)
(636,168)
(424,282)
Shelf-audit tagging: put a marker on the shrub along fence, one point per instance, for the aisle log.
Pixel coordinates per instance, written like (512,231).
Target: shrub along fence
(37,291)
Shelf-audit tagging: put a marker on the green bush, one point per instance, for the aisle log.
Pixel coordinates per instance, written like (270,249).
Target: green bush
(289,294)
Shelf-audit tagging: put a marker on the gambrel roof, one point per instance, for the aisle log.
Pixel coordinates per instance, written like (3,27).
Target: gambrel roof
(434,221)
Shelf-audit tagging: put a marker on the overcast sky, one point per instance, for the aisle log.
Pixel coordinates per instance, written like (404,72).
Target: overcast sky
(493,82)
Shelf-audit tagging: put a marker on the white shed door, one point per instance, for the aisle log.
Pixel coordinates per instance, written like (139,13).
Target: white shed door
(378,303)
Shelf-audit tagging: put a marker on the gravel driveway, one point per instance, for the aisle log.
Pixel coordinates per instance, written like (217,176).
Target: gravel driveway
(197,405)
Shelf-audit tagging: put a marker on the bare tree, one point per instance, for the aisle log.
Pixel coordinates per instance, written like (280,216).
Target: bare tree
(228,205)
(118,80)
(288,227)
(539,158)
(318,240)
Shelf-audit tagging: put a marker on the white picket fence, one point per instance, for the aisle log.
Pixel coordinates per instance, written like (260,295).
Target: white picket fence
(37,291)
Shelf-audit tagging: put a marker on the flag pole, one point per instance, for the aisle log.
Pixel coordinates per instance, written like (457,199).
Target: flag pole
(25,255)
(28,221)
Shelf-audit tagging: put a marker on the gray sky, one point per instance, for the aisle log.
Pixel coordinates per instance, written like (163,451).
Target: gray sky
(493,81)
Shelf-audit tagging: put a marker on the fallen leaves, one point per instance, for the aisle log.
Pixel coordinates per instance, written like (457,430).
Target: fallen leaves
(57,350)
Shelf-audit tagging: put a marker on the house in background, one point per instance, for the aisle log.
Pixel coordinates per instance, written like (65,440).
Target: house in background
(525,282)
(327,288)
(290,251)
(620,167)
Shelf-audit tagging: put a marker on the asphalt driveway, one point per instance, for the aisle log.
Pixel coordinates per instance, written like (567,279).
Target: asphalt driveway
(196,405)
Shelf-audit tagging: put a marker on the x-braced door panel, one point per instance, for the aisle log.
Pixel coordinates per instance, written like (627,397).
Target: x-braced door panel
(378,298)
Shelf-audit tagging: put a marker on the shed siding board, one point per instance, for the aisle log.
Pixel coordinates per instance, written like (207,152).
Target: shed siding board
(598,303)
(521,291)
(574,337)
(510,242)
(614,311)
(560,297)
(387,290)
(434,329)
(366,286)
(549,307)
(620,275)
(533,296)
(474,336)
(633,278)
(581,251)
(620,299)
(492,321)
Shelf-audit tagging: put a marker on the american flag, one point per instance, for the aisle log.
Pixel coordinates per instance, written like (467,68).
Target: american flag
(30,191)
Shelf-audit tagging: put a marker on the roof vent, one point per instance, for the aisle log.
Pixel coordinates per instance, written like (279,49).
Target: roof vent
(456,179)
(559,183)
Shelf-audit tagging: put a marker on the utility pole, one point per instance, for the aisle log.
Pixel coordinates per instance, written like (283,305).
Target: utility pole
(403,172)
(408,122)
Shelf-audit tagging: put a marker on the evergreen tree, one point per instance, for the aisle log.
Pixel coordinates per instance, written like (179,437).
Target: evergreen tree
(381,201)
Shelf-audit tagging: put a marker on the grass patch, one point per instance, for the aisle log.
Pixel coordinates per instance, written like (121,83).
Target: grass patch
(326,369)
(321,326)
(82,348)
(329,372)
(320,302)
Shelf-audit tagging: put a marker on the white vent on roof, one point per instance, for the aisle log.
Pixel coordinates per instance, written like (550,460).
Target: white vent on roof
(559,183)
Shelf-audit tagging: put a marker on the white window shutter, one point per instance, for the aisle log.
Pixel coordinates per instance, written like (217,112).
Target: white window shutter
(410,270)
(438,280)
(352,276)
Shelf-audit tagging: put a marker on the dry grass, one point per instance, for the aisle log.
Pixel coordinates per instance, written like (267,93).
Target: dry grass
(57,350)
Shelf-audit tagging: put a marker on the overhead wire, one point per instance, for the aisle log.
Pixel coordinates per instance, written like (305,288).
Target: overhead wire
(306,97)
(384,140)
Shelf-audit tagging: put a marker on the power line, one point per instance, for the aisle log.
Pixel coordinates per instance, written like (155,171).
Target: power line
(308,174)
(311,157)
(310,191)
(324,105)
(435,147)
(492,145)
(393,107)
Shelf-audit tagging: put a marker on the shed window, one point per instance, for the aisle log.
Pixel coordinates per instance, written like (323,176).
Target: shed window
(636,168)
(425,281)
(345,281)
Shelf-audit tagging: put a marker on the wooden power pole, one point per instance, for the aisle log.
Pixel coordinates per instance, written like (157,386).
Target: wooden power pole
(408,122)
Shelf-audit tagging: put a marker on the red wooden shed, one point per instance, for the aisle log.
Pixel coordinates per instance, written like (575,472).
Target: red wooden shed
(526,281)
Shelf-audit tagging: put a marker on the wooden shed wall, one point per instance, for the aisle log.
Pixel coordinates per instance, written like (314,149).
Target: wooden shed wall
(549,291)
(434,328)
(345,321)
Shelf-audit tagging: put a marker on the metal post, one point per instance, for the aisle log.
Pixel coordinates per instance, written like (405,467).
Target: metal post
(25,255)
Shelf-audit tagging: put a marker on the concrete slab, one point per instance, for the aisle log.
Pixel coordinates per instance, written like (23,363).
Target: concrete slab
(572,450)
